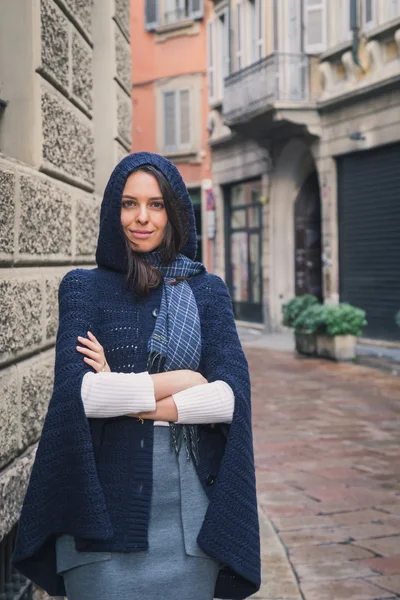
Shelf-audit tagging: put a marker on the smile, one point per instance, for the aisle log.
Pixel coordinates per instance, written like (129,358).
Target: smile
(141,235)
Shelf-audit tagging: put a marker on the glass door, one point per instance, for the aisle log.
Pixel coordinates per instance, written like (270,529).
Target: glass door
(244,251)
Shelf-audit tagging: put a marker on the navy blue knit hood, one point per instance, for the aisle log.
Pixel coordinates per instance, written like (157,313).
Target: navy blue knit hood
(111,249)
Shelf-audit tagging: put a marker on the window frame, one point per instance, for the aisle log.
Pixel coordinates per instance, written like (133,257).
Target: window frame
(344,22)
(240,37)
(367,25)
(179,147)
(307,9)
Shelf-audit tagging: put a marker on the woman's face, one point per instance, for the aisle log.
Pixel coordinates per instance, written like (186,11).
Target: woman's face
(143,214)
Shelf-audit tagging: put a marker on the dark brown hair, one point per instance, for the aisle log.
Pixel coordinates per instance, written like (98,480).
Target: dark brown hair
(141,276)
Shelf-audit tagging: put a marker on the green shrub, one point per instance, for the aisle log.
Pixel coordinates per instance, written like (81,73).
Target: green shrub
(311,320)
(344,319)
(294,307)
(331,319)
(398,318)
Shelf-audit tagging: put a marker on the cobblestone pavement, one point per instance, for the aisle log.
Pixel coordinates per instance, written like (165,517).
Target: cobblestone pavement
(327,444)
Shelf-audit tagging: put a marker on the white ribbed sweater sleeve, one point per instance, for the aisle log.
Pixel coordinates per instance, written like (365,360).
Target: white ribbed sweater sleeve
(208,403)
(115,394)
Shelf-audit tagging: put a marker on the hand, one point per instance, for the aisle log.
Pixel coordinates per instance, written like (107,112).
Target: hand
(95,353)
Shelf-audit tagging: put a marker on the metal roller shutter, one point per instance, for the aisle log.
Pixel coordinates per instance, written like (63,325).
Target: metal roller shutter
(369,236)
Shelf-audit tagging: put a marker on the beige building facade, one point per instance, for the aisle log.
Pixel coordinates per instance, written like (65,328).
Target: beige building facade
(65,121)
(310,110)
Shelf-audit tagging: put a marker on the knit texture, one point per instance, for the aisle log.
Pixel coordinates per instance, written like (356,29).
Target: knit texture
(107,395)
(116,394)
(92,478)
(209,403)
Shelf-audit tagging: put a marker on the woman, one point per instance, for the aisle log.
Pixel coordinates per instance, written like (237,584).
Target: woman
(110,510)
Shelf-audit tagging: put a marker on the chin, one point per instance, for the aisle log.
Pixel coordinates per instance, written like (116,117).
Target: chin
(142,247)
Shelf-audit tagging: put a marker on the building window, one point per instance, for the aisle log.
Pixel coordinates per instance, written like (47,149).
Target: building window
(314,26)
(368,14)
(343,17)
(217,55)
(257,29)
(240,36)
(177,121)
(168,12)
(394,9)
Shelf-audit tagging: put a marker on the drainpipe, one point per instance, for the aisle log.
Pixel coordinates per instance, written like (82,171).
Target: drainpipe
(355,29)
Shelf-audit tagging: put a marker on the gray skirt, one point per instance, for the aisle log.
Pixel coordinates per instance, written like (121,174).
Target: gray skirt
(174,567)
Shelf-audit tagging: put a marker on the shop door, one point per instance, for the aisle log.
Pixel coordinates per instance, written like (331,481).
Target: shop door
(369,236)
(307,221)
(244,251)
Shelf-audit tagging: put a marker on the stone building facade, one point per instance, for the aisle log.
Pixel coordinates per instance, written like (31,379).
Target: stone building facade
(65,121)
(307,110)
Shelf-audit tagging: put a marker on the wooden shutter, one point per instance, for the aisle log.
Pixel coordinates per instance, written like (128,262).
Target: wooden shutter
(184,119)
(315,26)
(151,14)
(196,9)
(211,56)
(170,121)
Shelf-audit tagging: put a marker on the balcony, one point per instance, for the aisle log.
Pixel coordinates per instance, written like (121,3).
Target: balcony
(274,91)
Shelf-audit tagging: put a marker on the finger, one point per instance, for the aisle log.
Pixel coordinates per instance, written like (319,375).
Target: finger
(90,353)
(93,337)
(92,363)
(89,343)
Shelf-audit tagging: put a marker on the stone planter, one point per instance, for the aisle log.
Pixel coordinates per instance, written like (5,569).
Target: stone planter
(306,343)
(338,347)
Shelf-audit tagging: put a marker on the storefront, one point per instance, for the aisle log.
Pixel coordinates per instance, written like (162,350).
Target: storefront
(369,236)
(243,247)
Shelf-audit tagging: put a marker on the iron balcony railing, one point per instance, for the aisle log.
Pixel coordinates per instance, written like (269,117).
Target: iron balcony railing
(278,77)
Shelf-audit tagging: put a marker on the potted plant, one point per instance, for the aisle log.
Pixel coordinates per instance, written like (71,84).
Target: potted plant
(339,327)
(306,327)
(305,342)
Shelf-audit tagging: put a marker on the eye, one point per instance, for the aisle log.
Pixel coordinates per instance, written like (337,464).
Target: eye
(127,203)
(159,205)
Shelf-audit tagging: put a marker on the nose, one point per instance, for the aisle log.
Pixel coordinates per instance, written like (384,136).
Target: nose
(142,216)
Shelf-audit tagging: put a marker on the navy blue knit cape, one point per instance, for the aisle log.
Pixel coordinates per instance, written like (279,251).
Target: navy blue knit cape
(75,480)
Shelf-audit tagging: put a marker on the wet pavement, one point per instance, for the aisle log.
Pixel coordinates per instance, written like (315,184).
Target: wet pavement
(327,444)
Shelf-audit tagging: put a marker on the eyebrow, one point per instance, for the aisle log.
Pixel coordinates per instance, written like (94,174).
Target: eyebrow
(134,197)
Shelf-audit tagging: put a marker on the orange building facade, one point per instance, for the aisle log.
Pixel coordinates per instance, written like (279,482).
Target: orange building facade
(170,98)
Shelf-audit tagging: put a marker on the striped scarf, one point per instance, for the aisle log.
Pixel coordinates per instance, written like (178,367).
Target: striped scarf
(176,340)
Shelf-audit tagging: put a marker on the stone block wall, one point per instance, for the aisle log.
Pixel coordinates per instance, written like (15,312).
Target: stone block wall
(49,194)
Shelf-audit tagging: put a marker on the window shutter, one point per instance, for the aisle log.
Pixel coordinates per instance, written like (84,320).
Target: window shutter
(239,36)
(260,28)
(184,121)
(315,26)
(211,46)
(196,8)
(394,9)
(225,44)
(170,125)
(151,14)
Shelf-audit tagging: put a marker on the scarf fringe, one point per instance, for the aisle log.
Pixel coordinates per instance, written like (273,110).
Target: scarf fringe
(178,433)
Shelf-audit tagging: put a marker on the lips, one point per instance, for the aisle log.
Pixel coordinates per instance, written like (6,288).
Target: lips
(141,235)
